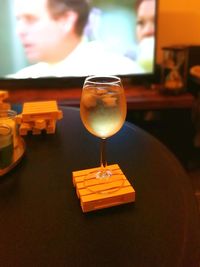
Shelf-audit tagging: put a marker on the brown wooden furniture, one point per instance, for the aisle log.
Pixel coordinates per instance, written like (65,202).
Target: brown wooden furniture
(138,97)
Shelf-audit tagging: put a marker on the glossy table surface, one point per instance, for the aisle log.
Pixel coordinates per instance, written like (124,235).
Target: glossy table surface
(41,221)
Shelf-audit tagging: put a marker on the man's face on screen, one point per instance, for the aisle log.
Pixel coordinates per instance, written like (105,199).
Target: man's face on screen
(145,20)
(41,35)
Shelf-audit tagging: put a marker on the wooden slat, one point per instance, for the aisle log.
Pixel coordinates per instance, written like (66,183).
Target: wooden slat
(40,106)
(78,176)
(99,201)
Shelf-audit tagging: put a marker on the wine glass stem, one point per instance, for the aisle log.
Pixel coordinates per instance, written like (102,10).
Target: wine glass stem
(103,153)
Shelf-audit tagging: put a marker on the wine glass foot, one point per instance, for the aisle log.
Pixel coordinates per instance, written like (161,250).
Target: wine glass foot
(104,182)
(103,174)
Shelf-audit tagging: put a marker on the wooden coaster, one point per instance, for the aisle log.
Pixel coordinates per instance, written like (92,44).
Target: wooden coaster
(98,193)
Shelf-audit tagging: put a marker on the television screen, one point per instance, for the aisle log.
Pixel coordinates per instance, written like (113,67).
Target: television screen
(63,39)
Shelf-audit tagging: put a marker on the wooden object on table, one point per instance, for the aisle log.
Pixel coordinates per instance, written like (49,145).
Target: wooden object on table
(3,105)
(38,116)
(115,192)
(3,95)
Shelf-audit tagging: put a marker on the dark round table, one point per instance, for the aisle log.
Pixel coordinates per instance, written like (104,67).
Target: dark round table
(42,223)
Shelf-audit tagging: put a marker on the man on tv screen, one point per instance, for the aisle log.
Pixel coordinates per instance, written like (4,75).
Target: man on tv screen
(145,32)
(51,32)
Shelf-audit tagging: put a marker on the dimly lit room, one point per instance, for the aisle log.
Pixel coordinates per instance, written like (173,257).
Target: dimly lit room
(100,133)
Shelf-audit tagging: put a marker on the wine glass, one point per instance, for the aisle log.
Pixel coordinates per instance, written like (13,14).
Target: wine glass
(103,112)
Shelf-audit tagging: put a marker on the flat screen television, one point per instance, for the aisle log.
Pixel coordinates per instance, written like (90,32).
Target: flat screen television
(110,31)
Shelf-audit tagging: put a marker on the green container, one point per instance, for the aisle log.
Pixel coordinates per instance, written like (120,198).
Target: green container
(6,146)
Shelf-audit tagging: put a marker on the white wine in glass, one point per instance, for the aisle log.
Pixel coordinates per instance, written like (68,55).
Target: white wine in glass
(103,112)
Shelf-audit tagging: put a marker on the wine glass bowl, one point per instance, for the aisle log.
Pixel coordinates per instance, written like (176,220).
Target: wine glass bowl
(103,112)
